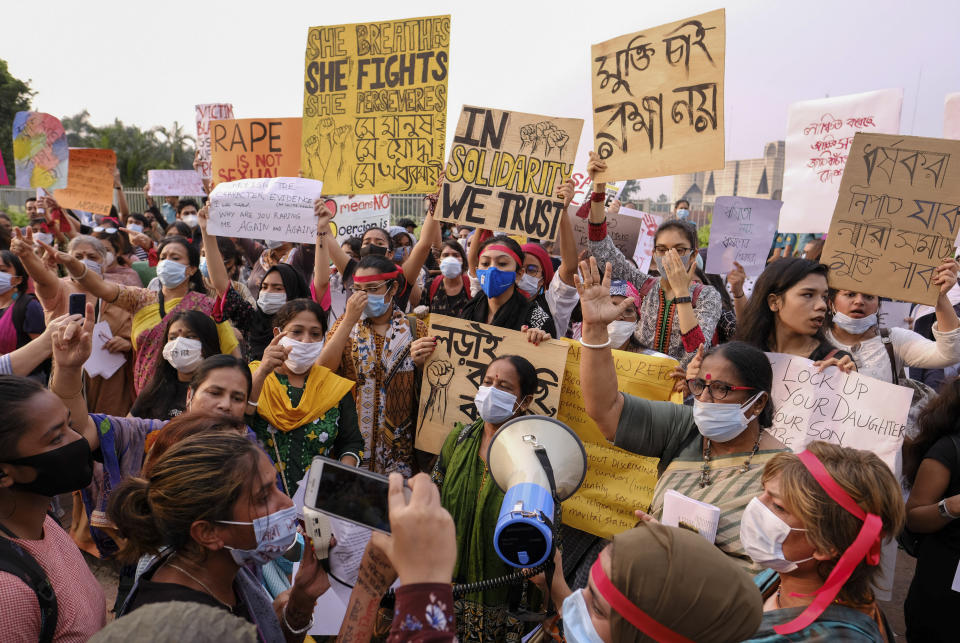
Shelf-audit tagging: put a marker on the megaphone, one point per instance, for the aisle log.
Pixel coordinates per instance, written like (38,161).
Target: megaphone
(536,461)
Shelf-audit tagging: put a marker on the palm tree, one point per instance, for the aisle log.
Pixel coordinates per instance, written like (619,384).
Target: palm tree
(175,138)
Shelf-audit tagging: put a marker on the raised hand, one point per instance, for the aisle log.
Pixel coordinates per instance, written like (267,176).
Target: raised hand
(677,276)
(736,279)
(594,294)
(566,191)
(946,275)
(203,218)
(73,340)
(595,165)
(355,306)
(421,349)
(614,207)
(274,355)
(22,244)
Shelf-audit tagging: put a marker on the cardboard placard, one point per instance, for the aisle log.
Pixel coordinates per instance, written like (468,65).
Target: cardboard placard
(897,216)
(254,148)
(175,183)
(89,181)
(658,99)
(278,209)
(951,116)
(206,113)
(40,152)
(742,230)
(375,104)
(819,134)
(354,215)
(504,169)
(451,375)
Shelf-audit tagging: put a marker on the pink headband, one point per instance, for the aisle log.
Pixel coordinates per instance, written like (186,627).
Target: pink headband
(633,614)
(865,546)
(506,250)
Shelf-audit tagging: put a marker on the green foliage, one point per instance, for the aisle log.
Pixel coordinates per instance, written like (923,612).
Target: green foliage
(15,97)
(703,235)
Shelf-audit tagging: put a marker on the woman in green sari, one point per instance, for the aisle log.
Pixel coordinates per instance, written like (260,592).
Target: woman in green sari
(470,494)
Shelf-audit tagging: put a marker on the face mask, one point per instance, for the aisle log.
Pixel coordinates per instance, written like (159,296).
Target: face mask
(171,273)
(373,250)
(451,267)
(683,213)
(271,302)
(43,237)
(855,326)
(577,626)
(65,469)
(529,284)
(762,534)
(399,254)
(721,422)
(275,534)
(302,354)
(203,268)
(620,331)
(135,227)
(184,354)
(494,282)
(376,305)
(5,282)
(93,265)
(274,244)
(109,259)
(191,220)
(659,260)
(495,406)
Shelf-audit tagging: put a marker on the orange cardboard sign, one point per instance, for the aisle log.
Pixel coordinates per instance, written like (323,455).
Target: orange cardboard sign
(254,148)
(89,181)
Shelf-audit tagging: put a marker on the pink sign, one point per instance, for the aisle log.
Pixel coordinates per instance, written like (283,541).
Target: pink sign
(3,172)
(205,114)
(951,116)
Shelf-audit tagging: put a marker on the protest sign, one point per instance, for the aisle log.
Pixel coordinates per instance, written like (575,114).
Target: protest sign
(819,134)
(624,229)
(89,181)
(851,410)
(896,216)
(356,214)
(451,375)
(504,169)
(3,172)
(254,148)
(893,314)
(205,114)
(375,104)
(583,188)
(274,209)
(175,183)
(40,152)
(742,230)
(658,99)
(643,253)
(951,116)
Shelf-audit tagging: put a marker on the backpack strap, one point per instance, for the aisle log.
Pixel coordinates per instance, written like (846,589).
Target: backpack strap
(887,344)
(435,285)
(18,561)
(696,295)
(647,286)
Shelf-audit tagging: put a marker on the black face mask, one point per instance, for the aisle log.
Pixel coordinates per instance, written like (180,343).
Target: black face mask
(373,250)
(65,469)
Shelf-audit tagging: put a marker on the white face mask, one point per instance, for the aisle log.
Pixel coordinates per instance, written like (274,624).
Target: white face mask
(577,625)
(184,354)
(191,220)
(762,534)
(302,354)
(109,259)
(620,331)
(451,267)
(853,325)
(722,422)
(271,302)
(93,265)
(6,282)
(135,227)
(495,406)
(528,284)
(43,237)
(275,534)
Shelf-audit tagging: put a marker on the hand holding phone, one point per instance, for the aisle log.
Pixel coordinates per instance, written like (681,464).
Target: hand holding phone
(78,303)
(353,494)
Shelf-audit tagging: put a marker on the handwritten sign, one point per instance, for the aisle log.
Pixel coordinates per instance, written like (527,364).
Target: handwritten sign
(274,209)
(643,254)
(851,410)
(452,374)
(951,116)
(254,148)
(356,214)
(375,104)
(819,135)
(175,183)
(897,216)
(742,230)
(893,314)
(504,168)
(658,99)
(624,228)
(206,113)
(40,152)
(89,181)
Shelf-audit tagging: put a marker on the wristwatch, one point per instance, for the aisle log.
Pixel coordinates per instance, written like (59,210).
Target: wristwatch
(944,512)
(683,300)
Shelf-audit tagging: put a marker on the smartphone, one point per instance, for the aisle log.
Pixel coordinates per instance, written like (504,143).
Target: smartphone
(349,493)
(78,304)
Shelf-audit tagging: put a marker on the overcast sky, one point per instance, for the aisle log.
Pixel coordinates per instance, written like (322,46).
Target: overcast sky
(150,63)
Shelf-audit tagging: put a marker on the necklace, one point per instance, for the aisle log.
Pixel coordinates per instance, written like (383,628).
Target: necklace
(201,583)
(705,469)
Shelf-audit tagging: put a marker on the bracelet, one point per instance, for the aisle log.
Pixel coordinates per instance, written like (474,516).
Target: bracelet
(740,296)
(251,403)
(82,274)
(290,628)
(359,459)
(683,300)
(604,345)
(598,196)
(944,512)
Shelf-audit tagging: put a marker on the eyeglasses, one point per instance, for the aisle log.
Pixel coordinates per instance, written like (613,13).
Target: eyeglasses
(531,270)
(369,287)
(718,389)
(662,250)
(100,228)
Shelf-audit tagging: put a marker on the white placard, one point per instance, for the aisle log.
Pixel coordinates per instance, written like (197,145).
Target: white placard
(742,230)
(819,134)
(278,209)
(851,410)
(892,314)
(175,183)
(643,255)
(357,214)
(101,361)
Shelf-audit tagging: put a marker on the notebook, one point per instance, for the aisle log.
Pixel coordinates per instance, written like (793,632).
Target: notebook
(686,513)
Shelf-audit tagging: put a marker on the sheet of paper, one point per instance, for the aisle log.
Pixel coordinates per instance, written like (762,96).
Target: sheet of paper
(893,313)
(101,361)
(175,183)
(643,253)
(346,555)
(955,586)
(274,209)
(742,230)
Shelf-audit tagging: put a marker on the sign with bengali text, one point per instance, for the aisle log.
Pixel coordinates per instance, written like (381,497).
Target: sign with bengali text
(742,230)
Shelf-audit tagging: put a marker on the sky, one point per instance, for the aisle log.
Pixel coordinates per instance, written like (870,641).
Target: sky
(149,63)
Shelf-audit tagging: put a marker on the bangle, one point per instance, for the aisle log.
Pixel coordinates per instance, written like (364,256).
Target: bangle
(82,274)
(290,628)
(251,403)
(944,512)
(736,296)
(604,345)
(359,459)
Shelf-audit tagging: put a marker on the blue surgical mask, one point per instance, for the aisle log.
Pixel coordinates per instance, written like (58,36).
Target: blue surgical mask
(683,213)
(5,285)
(203,268)
(494,282)
(275,534)
(171,273)
(855,325)
(376,305)
(577,626)
(495,406)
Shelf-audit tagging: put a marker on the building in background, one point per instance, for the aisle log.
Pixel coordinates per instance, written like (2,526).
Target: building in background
(758,178)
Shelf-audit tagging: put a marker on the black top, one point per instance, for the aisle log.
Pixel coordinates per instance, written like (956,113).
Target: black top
(944,451)
(516,313)
(149,592)
(824,349)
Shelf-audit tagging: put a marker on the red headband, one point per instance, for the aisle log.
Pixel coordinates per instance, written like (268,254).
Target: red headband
(383,276)
(505,249)
(633,614)
(865,546)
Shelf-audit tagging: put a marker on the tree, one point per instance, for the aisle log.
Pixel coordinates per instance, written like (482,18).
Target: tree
(15,96)
(663,198)
(630,192)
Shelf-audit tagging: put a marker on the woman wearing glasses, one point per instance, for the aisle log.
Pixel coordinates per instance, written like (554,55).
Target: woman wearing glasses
(120,255)
(713,452)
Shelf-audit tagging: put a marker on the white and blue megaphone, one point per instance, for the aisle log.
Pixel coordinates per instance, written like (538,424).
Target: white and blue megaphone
(533,459)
